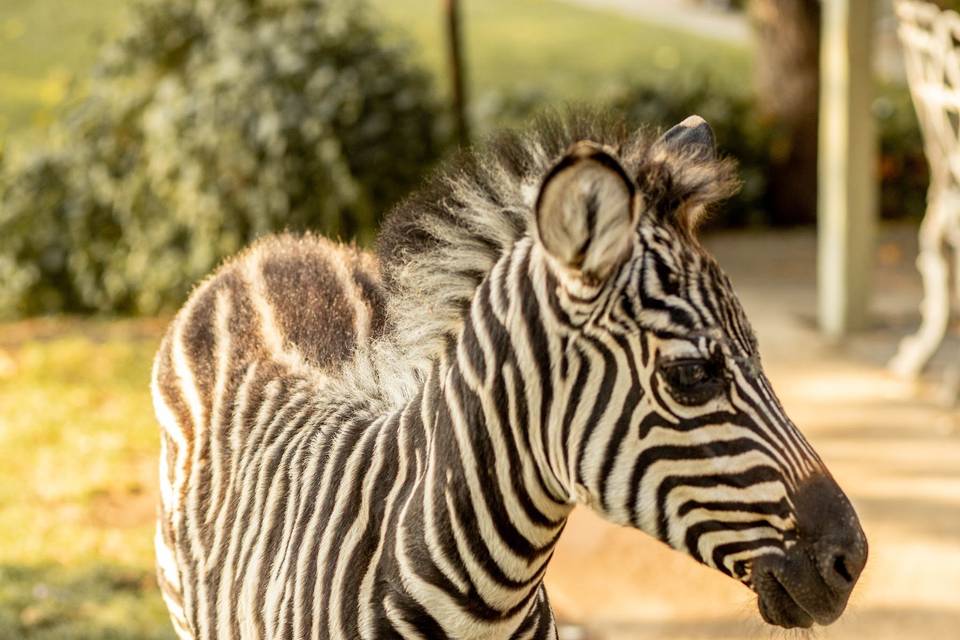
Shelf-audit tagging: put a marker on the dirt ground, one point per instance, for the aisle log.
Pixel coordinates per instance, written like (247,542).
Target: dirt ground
(893,446)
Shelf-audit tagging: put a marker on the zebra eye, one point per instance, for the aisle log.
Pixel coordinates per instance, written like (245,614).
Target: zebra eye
(692,382)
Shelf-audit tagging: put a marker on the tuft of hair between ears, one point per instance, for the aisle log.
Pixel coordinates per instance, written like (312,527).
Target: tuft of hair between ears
(681,186)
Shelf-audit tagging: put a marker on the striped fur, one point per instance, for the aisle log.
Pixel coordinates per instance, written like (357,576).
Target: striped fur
(349,459)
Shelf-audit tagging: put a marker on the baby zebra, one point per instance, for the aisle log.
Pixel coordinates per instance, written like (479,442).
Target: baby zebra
(389,447)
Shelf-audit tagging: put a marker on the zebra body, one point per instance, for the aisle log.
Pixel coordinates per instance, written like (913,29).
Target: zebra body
(296,505)
(354,450)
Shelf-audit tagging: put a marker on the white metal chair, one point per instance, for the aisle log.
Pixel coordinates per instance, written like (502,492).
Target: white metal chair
(931,46)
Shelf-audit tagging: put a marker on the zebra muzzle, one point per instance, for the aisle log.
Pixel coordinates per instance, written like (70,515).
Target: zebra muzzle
(812,582)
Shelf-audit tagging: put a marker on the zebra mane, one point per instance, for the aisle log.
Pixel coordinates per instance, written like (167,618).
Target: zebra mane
(436,246)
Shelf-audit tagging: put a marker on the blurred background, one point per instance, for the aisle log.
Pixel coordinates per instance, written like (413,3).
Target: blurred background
(142,141)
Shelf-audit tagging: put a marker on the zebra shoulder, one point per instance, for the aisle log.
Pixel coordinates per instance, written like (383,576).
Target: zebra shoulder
(300,304)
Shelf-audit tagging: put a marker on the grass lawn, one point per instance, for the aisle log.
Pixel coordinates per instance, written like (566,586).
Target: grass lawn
(45,45)
(539,47)
(78,447)
(560,50)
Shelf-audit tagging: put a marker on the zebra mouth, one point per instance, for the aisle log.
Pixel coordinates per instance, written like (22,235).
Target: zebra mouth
(791,592)
(776,605)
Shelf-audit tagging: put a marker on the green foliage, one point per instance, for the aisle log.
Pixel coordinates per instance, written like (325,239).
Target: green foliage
(734,121)
(745,135)
(209,123)
(903,171)
(33,252)
(660,104)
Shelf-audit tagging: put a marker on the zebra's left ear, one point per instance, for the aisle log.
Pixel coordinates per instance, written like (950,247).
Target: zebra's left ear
(586,213)
(693,138)
(682,176)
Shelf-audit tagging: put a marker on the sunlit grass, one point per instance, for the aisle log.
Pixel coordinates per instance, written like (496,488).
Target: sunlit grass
(78,447)
(562,51)
(545,48)
(45,46)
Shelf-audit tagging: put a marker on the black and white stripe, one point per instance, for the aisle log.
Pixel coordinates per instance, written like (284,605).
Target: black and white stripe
(349,459)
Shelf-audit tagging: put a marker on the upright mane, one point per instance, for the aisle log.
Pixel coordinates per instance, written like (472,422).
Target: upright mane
(436,246)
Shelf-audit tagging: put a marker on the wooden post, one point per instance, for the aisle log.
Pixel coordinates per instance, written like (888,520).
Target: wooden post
(846,199)
(455,58)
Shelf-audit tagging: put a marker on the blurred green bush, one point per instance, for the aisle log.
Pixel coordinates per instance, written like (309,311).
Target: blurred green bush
(903,172)
(207,124)
(734,121)
(754,142)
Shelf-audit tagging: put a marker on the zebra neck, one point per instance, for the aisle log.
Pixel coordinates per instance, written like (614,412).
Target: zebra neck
(478,529)
(487,512)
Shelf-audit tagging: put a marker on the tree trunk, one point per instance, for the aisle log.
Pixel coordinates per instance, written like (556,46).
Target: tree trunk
(787,83)
(456,66)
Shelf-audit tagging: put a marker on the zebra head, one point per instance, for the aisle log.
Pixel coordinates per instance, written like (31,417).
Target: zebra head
(670,424)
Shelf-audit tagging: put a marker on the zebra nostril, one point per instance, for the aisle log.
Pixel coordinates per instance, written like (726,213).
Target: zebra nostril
(840,568)
(828,524)
(840,565)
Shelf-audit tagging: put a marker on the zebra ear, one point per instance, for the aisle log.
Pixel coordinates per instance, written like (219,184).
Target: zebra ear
(692,137)
(683,176)
(585,212)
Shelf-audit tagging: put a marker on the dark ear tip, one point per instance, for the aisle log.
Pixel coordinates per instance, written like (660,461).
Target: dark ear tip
(692,132)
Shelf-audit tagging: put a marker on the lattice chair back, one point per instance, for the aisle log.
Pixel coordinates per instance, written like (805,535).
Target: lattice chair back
(931,47)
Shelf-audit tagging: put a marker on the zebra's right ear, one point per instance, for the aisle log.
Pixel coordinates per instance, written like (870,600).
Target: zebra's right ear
(586,212)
